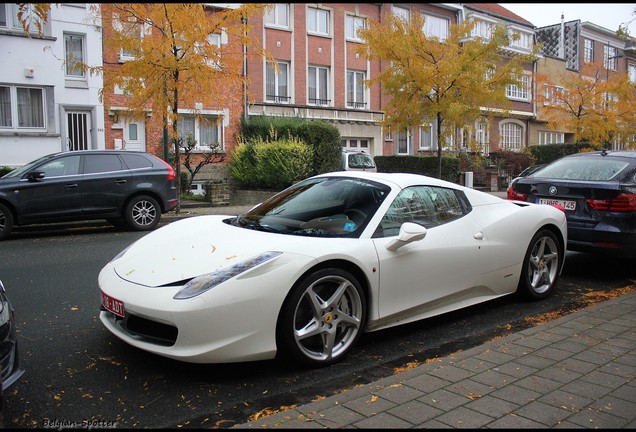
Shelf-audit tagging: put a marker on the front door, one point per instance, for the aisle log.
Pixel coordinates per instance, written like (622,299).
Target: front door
(78,130)
(134,136)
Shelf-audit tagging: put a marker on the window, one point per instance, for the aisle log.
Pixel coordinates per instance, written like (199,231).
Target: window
(481,137)
(436,27)
(9,17)
(103,163)
(551,138)
(134,33)
(554,95)
(588,50)
(278,16)
(204,129)
(429,206)
(22,107)
(318,78)
(511,136)
(276,82)
(483,29)
(609,101)
(355,89)
(520,39)
(426,136)
(611,55)
(631,73)
(401,12)
(318,21)
(403,142)
(362,143)
(352,24)
(523,93)
(212,57)
(64,166)
(74,54)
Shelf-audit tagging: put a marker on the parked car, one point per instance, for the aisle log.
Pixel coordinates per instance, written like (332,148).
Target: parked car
(9,355)
(597,191)
(124,187)
(357,160)
(304,273)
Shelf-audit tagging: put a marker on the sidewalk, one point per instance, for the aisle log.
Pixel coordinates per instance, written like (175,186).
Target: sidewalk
(576,371)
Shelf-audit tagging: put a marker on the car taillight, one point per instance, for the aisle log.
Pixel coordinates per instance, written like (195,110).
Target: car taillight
(170,170)
(624,202)
(515,196)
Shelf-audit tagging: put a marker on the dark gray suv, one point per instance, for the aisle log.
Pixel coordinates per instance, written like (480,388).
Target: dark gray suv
(124,187)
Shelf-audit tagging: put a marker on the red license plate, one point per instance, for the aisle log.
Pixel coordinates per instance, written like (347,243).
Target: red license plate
(112,305)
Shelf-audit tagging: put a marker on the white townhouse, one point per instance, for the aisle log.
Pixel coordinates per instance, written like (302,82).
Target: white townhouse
(46,104)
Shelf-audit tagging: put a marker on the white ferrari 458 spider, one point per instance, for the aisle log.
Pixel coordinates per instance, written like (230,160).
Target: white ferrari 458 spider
(304,273)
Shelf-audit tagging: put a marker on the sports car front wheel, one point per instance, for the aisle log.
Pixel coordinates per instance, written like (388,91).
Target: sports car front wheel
(541,266)
(322,318)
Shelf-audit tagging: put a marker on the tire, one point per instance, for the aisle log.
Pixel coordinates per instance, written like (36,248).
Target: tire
(142,213)
(322,318)
(6,222)
(541,266)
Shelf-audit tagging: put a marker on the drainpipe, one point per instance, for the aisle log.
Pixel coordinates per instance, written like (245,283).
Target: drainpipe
(245,98)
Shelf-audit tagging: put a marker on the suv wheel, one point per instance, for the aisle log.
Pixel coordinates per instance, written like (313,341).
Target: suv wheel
(6,222)
(142,213)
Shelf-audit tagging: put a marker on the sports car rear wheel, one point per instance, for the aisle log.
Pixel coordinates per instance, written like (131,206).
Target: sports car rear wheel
(323,317)
(541,266)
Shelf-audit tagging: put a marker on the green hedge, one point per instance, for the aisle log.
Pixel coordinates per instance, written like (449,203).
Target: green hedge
(5,170)
(322,136)
(270,165)
(424,165)
(544,154)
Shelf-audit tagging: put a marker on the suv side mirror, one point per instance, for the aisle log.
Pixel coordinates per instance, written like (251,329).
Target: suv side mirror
(35,175)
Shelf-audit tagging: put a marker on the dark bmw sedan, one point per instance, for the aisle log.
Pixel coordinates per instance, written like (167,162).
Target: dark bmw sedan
(126,188)
(9,357)
(598,193)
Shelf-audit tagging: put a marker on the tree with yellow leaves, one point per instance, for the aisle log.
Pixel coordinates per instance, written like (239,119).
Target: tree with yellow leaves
(166,56)
(447,81)
(593,104)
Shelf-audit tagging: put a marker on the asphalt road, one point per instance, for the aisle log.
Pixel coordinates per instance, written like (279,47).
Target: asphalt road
(77,372)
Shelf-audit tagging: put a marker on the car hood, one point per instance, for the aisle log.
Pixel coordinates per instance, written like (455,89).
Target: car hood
(198,245)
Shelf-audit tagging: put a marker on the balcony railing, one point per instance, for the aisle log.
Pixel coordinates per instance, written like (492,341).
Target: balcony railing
(357,105)
(277,99)
(321,102)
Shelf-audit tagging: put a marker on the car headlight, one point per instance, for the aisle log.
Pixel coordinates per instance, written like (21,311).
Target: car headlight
(203,283)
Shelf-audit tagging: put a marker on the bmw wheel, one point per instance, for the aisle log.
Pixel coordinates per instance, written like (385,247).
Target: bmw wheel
(6,222)
(323,317)
(541,266)
(142,213)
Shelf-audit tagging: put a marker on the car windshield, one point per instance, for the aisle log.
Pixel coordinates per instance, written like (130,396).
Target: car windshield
(26,168)
(361,161)
(585,169)
(319,207)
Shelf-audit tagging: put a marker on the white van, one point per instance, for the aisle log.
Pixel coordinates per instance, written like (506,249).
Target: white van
(357,160)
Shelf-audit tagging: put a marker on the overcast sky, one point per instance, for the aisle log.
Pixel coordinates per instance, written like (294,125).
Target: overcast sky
(608,15)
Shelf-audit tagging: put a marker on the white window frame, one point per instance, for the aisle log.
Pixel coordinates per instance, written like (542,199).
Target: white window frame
(631,73)
(523,42)
(277,74)
(554,95)
(519,93)
(80,74)
(314,71)
(318,21)
(548,137)
(14,109)
(406,136)
(511,134)
(426,130)
(352,24)
(11,21)
(435,26)
(355,83)
(401,12)
(278,16)
(483,29)
(588,50)
(481,136)
(610,51)
(355,143)
(120,26)
(197,127)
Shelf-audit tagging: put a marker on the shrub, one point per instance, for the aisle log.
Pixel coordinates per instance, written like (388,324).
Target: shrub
(5,170)
(425,165)
(270,165)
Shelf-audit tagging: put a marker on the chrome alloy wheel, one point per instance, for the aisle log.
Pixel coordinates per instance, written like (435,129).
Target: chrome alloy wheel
(144,212)
(327,318)
(543,265)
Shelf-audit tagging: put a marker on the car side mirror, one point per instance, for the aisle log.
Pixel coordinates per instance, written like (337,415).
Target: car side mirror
(35,175)
(409,232)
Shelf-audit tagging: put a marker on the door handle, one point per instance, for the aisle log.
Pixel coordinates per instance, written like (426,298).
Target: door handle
(479,236)
(70,186)
(120,181)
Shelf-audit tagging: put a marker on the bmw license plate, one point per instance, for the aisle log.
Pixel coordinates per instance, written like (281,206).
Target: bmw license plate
(566,204)
(112,305)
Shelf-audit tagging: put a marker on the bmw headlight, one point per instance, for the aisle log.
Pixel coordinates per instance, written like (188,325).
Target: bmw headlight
(203,283)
